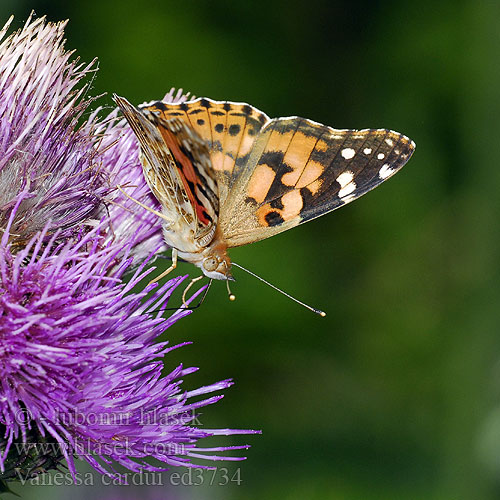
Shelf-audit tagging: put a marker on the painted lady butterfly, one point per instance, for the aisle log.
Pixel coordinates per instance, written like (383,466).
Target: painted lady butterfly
(226,174)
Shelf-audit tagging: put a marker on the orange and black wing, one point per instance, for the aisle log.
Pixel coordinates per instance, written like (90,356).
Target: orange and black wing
(275,174)
(299,170)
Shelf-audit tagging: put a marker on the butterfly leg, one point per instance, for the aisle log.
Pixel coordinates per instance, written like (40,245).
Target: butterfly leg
(170,269)
(149,209)
(191,283)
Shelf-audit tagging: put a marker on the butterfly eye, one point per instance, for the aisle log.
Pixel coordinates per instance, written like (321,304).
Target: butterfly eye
(210,264)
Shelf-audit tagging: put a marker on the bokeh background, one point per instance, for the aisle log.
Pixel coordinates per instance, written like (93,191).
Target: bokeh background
(396,393)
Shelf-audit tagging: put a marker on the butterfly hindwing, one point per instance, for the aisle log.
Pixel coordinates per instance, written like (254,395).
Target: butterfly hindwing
(177,168)
(300,169)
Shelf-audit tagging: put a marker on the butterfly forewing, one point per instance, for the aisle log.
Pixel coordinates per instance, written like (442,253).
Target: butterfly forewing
(300,169)
(230,130)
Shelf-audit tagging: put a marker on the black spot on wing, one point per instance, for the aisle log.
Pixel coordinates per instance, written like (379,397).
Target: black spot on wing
(242,160)
(216,146)
(274,159)
(200,121)
(160,105)
(277,203)
(227,106)
(274,219)
(205,103)
(219,128)
(217,113)
(234,130)
(196,111)
(184,106)
(247,110)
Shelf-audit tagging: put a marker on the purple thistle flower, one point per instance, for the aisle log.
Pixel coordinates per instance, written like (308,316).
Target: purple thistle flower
(42,154)
(79,364)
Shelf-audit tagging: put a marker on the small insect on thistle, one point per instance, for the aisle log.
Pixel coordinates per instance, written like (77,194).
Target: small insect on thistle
(227,175)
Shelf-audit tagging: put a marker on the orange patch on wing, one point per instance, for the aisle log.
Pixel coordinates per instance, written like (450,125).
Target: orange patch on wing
(261,214)
(297,156)
(200,122)
(217,159)
(246,144)
(292,204)
(279,141)
(314,186)
(321,146)
(228,162)
(312,171)
(260,182)
(232,143)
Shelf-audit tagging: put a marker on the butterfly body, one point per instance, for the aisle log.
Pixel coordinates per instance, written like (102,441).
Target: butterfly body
(213,259)
(227,175)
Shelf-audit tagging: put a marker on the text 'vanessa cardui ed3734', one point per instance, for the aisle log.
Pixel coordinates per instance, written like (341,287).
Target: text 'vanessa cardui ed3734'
(226,174)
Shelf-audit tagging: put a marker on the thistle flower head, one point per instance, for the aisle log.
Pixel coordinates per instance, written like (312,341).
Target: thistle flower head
(80,367)
(81,364)
(46,162)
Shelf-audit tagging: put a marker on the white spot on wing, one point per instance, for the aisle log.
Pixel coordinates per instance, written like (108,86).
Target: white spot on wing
(347,186)
(385,171)
(389,142)
(345,178)
(381,156)
(367,151)
(348,153)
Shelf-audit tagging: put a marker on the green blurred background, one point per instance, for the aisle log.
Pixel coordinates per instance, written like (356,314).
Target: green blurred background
(396,393)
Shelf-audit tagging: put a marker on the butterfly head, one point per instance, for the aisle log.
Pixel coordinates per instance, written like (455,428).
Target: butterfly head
(215,264)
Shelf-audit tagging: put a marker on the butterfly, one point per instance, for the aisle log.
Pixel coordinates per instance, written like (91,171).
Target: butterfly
(227,175)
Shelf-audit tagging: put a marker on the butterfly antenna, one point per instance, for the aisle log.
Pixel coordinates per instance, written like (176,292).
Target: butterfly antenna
(231,295)
(317,311)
